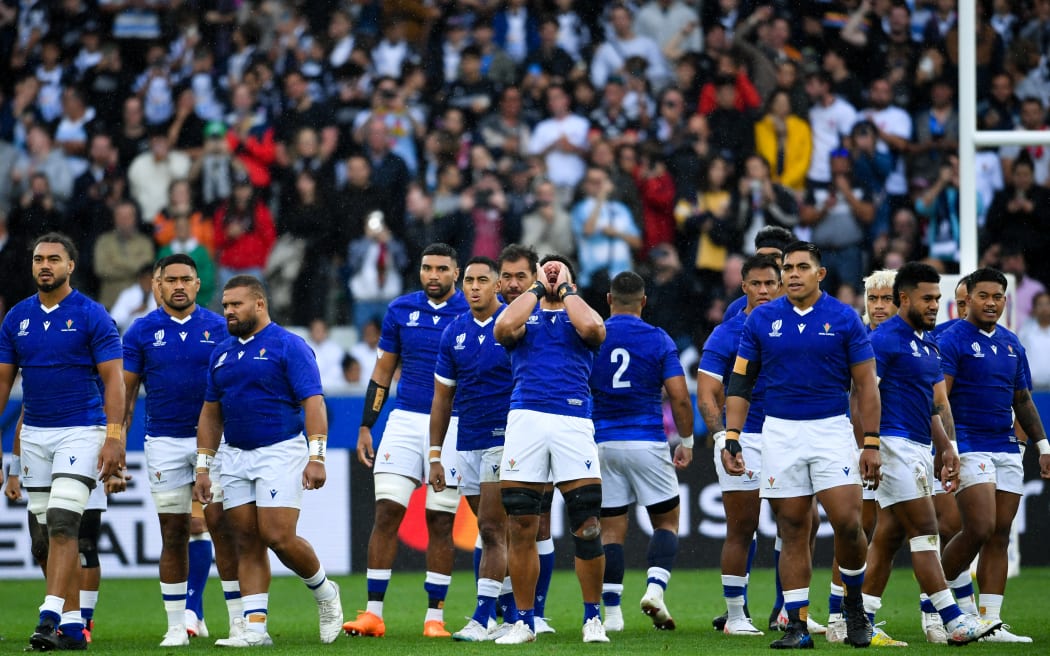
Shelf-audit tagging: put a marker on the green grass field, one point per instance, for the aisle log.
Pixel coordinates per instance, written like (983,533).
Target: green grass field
(130,618)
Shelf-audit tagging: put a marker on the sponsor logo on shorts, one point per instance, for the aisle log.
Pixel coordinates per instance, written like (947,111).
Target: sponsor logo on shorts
(158,338)
(25,470)
(273,493)
(845,470)
(72,459)
(157,475)
(495,468)
(512,465)
(453,471)
(588,463)
(981,466)
(750,474)
(386,457)
(23,328)
(771,480)
(776,328)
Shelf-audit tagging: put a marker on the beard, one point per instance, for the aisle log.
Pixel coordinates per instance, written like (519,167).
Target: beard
(57,280)
(916,318)
(242,328)
(179,307)
(441,292)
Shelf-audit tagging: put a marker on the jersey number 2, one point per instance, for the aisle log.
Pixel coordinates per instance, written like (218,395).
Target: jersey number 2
(623,357)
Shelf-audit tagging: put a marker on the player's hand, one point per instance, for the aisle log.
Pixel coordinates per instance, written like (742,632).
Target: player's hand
(682,457)
(870,468)
(365,454)
(13,489)
(202,489)
(950,468)
(437,476)
(314,475)
(1044,465)
(118,482)
(563,276)
(734,464)
(110,459)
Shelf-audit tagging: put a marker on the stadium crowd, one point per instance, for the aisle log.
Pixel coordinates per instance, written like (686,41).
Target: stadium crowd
(322,145)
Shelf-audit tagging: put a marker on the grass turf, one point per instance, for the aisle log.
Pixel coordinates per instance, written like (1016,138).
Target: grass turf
(130,617)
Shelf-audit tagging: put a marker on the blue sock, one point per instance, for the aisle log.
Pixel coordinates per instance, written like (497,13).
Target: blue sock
(663,547)
(509,609)
(50,616)
(477,563)
(376,588)
(200,566)
(614,563)
(949,613)
(543,582)
(852,579)
(485,610)
(835,599)
(436,586)
(779,601)
(926,606)
(72,625)
(963,591)
(526,616)
(88,614)
(591,610)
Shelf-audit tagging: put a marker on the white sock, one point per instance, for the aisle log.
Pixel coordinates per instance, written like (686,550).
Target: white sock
(991,605)
(174,595)
(734,604)
(234,607)
(872,604)
(88,599)
(319,585)
(255,611)
(53,604)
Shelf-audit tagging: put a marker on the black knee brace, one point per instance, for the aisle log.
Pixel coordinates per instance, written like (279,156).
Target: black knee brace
(38,540)
(90,530)
(661,507)
(584,506)
(62,523)
(521,501)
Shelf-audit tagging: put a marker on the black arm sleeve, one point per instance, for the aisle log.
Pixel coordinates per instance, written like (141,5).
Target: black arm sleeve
(375,397)
(742,384)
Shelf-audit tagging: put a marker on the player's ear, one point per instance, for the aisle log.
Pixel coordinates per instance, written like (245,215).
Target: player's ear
(822,273)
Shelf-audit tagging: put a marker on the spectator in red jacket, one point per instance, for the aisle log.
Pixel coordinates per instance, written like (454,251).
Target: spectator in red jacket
(747,97)
(244,233)
(657,192)
(250,137)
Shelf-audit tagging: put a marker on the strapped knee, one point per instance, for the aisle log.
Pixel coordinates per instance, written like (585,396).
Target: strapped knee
(174,502)
(584,506)
(925,543)
(38,505)
(62,523)
(548,501)
(38,539)
(90,529)
(519,501)
(394,487)
(70,494)
(446,500)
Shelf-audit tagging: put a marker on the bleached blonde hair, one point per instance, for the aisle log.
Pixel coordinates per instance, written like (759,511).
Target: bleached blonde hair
(881,279)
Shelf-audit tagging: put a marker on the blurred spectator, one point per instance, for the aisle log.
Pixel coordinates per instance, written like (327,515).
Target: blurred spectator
(562,141)
(657,193)
(729,71)
(940,206)
(670,125)
(836,214)
(785,142)
(936,134)
(186,131)
(303,111)
(471,92)
(152,172)
(403,127)
(488,222)
(830,119)
(74,125)
(390,53)
(1020,218)
(244,233)
(154,87)
(305,156)
(14,256)
(132,139)
(351,370)
(667,21)
(893,127)
(95,193)
(251,138)
(180,205)
(548,227)
(1025,288)
(107,85)
(504,131)
(1035,337)
(36,212)
(621,165)
(121,253)
(214,168)
(340,32)
(390,173)
(760,202)
(610,119)
(612,57)
(871,170)
(184,241)
(844,83)
(732,129)
(671,301)
(376,264)
(605,236)
(328,353)
(366,349)
(42,157)
(706,222)
(136,300)
(496,65)
(51,74)
(549,57)
(298,264)
(516,30)
(1001,109)
(1033,117)
(574,36)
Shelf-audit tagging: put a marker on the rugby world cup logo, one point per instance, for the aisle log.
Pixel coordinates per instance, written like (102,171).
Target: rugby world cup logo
(158,338)
(413,318)
(460,339)
(776,328)
(976,346)
(23,328)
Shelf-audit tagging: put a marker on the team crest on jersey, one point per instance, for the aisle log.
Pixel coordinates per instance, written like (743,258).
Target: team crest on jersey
(460,339)
(801,327)
(23,328)
(158,338)
(69,327)
(915,350)
(183,335)
(995,350)
(207,338)
(532,320)
(262,355)
(413,319)
(436,319)
(827,330)
(976,346)
(776,328)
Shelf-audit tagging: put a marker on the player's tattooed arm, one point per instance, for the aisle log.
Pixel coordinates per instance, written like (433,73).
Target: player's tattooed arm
(943,409)
(1028,416)
(710,398)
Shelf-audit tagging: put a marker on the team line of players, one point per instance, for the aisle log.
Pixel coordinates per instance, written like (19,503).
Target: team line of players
(479,409)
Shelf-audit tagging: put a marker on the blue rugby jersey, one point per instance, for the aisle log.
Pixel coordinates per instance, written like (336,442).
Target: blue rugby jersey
(58,351)
(412,330)
(717,361)
(627,381)
(171,358)
(909,365)
(552,367)
(261,383)
(987,369)
(735,308)
(478,366)
(806,355)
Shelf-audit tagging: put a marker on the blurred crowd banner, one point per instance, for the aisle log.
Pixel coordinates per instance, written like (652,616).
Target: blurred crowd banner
(338,518)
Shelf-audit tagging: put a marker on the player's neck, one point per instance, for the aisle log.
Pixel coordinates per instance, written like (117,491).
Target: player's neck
(981,325)
(439,301)
(625,312)
(484,314)
(179,314)
(259,327)
(806,302)
(52,298)
(547,304)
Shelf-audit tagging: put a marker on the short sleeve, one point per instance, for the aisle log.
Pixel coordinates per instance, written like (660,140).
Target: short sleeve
(716,360)
(949,355)
(105,340)
(672,366)
(8,355)
(858,347)
(445,369)
(133,356)
(211,390)
(390,336)
(300,366)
